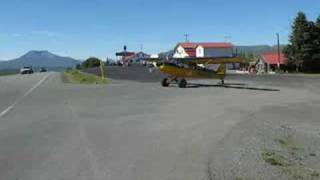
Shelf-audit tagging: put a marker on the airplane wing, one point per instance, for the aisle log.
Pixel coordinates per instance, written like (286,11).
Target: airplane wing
(223,60)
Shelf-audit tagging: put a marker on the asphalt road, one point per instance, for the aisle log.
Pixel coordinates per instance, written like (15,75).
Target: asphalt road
(139,130)
(13,87)
(133,73)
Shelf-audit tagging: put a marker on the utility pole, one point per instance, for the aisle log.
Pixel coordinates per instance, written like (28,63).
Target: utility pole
(102,70)
(186,38)
(279,53)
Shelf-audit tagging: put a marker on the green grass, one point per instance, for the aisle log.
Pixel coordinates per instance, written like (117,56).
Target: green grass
(273,158)
(288,158)
(8,73)
(77,77)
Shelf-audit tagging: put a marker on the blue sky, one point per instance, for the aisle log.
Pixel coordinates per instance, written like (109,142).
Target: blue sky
(84,28)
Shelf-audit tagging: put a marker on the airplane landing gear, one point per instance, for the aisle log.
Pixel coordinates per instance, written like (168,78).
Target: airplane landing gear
(165,82)
(222,81)
(182,83)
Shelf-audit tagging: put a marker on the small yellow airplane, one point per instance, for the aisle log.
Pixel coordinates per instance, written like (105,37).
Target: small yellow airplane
(192,68)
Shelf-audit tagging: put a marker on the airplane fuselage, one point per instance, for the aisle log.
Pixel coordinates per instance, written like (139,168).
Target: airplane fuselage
(191,72)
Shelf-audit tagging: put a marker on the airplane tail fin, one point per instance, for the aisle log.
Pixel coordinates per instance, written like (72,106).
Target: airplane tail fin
(222,69)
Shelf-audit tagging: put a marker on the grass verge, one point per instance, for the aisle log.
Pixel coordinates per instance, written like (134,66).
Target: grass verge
(76,77)
(273,158)
(290,158)
(8,73)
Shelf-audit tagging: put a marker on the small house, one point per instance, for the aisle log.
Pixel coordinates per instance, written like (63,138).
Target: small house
(269,62)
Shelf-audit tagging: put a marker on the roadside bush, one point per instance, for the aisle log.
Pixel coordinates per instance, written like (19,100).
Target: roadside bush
(68,70)
(90,63)
(78,66)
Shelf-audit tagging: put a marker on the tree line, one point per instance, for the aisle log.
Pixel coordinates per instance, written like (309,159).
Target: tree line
(303,50)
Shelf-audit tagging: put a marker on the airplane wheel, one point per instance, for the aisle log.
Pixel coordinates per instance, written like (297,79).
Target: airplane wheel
(165,82)
(182,83)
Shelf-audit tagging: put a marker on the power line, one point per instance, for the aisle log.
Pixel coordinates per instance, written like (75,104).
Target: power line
(279,56)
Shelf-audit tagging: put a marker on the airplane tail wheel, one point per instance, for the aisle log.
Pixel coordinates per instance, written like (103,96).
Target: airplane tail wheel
(165,82)
(182,83)
(222,81)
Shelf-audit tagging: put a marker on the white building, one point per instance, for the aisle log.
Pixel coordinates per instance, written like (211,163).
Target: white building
(185,50)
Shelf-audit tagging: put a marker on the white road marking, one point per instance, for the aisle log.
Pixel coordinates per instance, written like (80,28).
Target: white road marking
(8,109)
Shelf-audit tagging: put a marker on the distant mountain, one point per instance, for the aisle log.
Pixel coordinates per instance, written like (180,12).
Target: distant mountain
(38,59)
(166,55)
(257,49)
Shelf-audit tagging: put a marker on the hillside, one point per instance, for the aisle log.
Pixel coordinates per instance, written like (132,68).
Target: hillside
(39,59)
(257,49)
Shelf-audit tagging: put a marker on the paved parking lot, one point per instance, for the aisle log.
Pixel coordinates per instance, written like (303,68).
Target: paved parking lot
(138,130)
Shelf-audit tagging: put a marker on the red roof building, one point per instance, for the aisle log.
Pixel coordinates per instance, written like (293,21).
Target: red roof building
(273,58)
(126,57)
(270,62)
(136,58)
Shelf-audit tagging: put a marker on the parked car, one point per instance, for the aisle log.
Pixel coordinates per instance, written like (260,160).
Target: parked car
(26,70)
(43,69)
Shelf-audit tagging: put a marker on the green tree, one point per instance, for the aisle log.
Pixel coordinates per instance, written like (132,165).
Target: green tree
(316,45)
(303,49)
(247,57)
(90,63)
(317,33)
(297,39)
(308,48)
(250,57)
(78,66)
